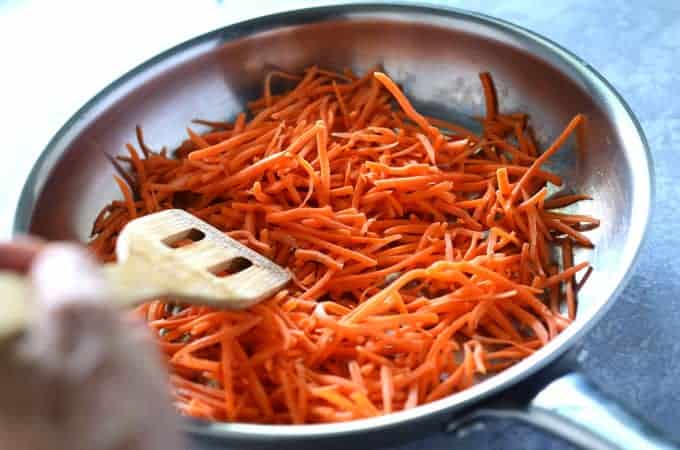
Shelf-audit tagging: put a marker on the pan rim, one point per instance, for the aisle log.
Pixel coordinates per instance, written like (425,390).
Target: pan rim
(642,197)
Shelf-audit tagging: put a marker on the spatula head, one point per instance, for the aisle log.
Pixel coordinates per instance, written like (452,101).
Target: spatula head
(211,268)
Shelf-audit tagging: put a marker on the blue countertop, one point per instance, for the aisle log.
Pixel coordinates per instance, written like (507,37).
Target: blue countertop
(634,352)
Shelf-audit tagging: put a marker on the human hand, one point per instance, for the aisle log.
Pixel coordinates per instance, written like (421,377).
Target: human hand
(80,377)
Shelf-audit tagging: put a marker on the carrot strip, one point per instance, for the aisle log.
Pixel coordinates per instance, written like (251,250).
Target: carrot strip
(227,377)
(129,201)
(556,145)
(387,388)
(224,145)
(314,255)
(489,96)
(403,101)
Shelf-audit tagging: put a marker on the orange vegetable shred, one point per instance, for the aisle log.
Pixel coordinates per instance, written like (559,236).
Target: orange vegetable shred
(425,256)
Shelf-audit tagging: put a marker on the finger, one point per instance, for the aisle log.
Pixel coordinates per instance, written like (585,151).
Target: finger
(66,273)
(18,254)
(82,341)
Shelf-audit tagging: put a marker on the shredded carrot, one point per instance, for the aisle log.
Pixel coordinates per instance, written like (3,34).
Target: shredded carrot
(421,251)
(127,194)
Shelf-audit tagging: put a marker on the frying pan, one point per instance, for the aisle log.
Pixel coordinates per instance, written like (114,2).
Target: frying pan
(435,54)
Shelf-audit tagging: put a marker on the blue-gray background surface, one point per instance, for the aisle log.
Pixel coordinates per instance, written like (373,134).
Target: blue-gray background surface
(635,350)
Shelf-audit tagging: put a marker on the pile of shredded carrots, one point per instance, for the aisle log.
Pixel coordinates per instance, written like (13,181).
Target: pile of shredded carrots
(425,257)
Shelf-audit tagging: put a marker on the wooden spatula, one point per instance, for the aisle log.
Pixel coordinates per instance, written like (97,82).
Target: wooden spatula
(211,269)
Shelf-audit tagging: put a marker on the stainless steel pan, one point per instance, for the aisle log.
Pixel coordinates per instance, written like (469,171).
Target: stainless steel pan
(436,55)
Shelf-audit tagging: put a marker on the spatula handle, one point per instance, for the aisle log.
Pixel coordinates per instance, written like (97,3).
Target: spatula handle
(128,286)
(16,308)
(14,304)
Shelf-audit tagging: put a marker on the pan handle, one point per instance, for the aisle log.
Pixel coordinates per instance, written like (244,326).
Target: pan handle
(567,404)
